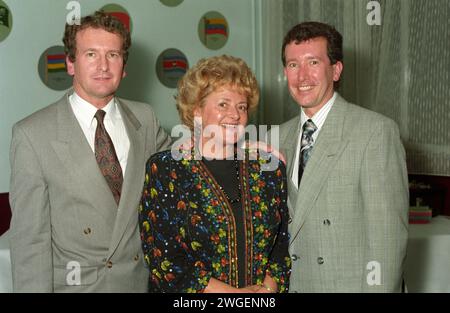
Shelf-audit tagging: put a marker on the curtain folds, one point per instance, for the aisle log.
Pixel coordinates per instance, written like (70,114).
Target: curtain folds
(399,68)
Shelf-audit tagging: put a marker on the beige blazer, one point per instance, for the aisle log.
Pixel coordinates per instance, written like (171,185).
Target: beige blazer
(67,233)
(349,224)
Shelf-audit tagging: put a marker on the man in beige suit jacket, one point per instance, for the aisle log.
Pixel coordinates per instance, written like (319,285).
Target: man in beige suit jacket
(349,203)
(68,233)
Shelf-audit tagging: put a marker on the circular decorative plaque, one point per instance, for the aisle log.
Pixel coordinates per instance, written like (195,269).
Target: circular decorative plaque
(5,21)
(213,30)
(171,3)
(120,12)
(52,69)
(171,65)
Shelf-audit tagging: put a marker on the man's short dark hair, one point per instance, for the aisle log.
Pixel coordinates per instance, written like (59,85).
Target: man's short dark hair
(97,20)
(309,30)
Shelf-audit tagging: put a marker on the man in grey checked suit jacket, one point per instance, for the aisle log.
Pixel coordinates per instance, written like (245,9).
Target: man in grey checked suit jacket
(68,234)
(349,224)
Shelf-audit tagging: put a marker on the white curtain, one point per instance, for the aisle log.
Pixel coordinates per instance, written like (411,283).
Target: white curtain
(399,68)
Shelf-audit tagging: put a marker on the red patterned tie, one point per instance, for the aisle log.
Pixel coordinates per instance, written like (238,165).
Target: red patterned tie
(107,158)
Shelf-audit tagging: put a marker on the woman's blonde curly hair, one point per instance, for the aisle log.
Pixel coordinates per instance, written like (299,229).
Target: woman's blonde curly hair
(209,75)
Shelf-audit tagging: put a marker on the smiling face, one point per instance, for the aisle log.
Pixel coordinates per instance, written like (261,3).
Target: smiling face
(98,67)
(225,111)
(310,74)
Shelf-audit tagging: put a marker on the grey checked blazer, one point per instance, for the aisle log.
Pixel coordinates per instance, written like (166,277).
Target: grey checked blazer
(64,211)
(352,204)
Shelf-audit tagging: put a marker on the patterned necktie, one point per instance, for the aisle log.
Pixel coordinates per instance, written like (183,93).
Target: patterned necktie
(106,157)
(306,146)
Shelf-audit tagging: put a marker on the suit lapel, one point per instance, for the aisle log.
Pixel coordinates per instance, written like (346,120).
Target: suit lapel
(75,153)
(288,148)
(133,180)
(327,150)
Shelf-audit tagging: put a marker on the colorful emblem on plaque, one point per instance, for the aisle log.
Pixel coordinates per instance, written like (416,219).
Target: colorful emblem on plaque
(213,30)
(52,69)
(119,12)
(171,3)
(5,21)
(171,65)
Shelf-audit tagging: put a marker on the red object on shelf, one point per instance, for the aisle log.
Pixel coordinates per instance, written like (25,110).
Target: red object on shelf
(419,221)
(5,213)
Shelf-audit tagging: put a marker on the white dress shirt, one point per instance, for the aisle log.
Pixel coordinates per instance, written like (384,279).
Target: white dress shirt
(318,119)
(84,112)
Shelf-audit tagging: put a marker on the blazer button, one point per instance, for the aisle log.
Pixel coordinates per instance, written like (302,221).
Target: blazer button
(320,260)
(326,222)
(294,257)
(109,264)
(136,257)
(290,220)
(87,231)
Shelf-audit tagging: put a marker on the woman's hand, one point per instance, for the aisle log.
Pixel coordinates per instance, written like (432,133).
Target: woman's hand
(269,285)
(261,146)
(216,286)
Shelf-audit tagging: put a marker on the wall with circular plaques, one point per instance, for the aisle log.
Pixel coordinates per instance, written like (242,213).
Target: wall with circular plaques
(168,37)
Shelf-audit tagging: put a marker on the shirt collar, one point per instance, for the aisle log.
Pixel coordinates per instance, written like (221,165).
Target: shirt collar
(320,116)
(86,111)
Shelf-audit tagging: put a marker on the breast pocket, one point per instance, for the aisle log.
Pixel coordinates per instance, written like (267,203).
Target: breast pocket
(347,169)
